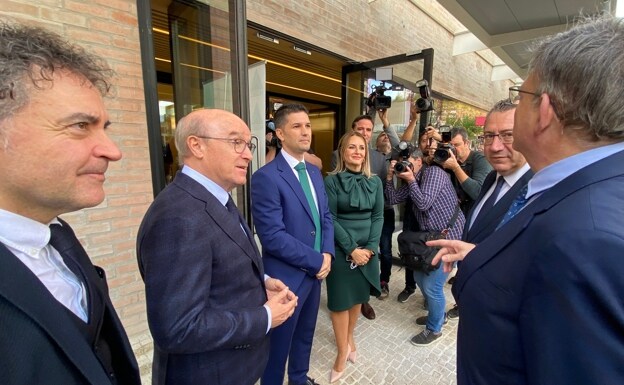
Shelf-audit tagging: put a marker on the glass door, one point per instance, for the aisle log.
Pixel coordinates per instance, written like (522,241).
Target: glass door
(397,78)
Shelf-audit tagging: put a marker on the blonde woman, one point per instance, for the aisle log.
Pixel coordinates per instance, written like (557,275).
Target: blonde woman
(356,204)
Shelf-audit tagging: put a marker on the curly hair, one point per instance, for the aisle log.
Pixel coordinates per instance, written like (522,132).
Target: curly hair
(34,53)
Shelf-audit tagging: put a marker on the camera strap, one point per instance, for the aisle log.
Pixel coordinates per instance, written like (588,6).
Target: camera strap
(452,221)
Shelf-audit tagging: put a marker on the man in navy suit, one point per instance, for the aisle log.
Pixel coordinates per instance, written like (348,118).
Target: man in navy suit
(297,236)
(541,299)
(209,304)
(57,322)
(511,173)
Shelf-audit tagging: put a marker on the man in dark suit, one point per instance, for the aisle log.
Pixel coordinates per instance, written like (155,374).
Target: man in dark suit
(295,227)
(205,285)
(541,299)
(511,173)
(58,325)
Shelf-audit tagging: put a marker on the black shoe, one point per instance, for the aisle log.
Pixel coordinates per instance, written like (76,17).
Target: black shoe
(425,337)
(454,312)
(385,290)
(405,294)
(309,381)
(368,311)
(423,320)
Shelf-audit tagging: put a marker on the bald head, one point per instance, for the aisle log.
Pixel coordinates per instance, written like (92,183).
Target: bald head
(204,122)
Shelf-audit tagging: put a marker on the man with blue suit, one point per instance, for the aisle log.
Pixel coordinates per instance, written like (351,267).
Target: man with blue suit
(541,299)
(292,219)
(511,173)
(209,304)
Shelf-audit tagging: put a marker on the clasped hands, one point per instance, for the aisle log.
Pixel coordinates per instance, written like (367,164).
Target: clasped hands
(281,301)
(360,257)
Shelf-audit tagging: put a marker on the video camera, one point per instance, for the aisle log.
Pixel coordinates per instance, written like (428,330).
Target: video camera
(401,154)
(424,103)
(443,152)
(377,99)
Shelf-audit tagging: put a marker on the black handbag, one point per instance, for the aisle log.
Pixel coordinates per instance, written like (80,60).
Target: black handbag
(413,251)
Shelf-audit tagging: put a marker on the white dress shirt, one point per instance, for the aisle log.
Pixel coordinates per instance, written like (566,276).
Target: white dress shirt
(510,180)
(29,241)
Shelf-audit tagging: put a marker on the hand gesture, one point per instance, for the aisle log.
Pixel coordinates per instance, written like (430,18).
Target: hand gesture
(450,252)
(282,306)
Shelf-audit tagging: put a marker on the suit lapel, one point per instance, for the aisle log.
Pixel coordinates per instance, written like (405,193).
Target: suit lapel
(24,290)
(222,218)
(487,183)
(289,176)
(491,246)
(491,219)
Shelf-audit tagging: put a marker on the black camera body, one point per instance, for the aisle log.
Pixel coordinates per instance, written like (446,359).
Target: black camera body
(424,103)
(402,153)
(378,100)
(443,152)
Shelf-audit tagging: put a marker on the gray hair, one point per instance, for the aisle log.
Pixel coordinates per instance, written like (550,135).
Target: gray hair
(191,124)
(501,106)
(35,53)
(417,154)
(582,71)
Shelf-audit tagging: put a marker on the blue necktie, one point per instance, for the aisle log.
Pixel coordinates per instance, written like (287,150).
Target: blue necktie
(305,185)
(489,203)
(516,206)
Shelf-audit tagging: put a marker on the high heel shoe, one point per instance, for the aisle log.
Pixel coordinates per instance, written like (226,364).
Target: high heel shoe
(352,355)
(335,376)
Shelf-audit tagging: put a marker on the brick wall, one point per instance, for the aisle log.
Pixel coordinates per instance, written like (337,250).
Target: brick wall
(108,231)
(364,30)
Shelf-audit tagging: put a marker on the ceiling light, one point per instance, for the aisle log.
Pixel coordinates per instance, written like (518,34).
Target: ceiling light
(267,38)
(302,50)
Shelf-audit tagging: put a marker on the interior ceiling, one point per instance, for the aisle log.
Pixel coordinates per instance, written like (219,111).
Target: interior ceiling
(315,76)
(510,27)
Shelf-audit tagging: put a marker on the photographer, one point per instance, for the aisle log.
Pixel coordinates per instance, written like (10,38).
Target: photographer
(468,168)
(434,203)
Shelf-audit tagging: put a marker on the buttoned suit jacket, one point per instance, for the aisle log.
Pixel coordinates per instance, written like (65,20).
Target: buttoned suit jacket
(486,224)
(284,222)
(40,343)
(541,301)
(204,287)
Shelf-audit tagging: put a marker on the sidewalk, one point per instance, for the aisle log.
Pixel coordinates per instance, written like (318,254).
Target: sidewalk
(385,354)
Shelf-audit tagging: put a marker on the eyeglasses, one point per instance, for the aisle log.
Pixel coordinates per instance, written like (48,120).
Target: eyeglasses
(515,91)
(239,144)
(505,137)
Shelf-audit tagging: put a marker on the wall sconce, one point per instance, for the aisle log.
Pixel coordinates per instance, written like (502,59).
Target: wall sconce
(302,50)
(267,38)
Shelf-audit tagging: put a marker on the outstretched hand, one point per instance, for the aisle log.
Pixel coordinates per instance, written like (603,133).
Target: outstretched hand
(450,252)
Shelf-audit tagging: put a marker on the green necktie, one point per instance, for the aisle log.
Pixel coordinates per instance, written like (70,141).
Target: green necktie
(305,185)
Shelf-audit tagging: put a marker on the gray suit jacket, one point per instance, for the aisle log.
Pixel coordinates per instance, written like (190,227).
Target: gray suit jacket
(204,285)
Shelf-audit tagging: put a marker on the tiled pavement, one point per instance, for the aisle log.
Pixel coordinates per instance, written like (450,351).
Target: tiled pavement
(385,354)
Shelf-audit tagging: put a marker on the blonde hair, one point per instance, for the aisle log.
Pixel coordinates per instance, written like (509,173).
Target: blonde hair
(342,148)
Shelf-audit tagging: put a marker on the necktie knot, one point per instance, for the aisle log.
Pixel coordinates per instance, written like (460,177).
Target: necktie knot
(59,238)
(300,167)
